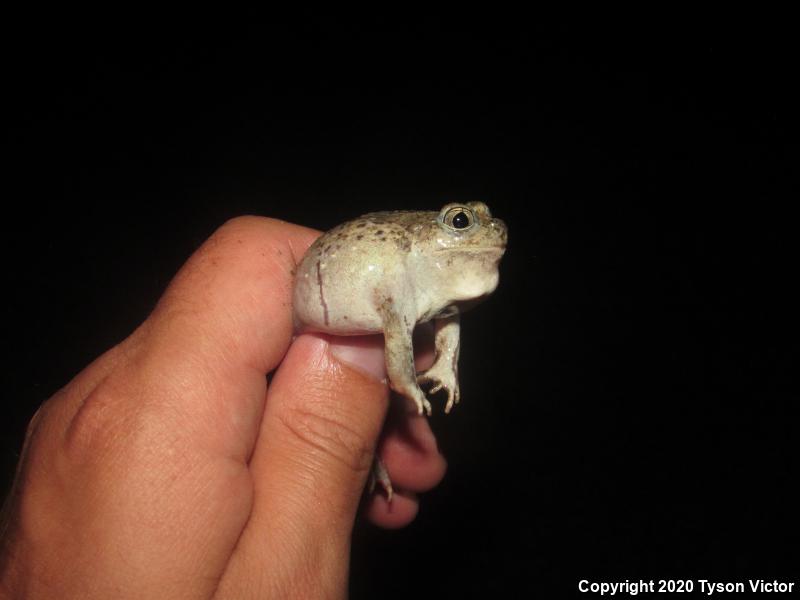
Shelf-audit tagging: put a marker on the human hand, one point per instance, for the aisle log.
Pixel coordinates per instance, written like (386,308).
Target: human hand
(167,469)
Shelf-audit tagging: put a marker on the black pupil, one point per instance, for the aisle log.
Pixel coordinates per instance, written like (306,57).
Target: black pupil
(461,220)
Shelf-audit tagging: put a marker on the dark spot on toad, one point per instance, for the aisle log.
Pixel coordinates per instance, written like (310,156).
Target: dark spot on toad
(360,236)
(379,232)
(362,224)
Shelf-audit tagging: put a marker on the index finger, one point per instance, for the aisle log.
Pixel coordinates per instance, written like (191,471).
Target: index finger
(223,323)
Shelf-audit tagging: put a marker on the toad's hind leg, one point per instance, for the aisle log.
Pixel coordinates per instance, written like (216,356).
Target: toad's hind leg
(397,330)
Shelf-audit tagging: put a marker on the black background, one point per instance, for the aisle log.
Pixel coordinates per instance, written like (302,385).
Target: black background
(629,391)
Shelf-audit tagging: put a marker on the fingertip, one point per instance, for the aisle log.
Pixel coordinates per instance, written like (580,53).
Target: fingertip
(411,470)
(398,513)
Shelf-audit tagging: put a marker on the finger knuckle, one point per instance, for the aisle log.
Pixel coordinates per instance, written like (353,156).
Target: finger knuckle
(330,436)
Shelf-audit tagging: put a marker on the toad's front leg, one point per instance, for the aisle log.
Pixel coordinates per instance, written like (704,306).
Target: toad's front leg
(443,374)
(398,325)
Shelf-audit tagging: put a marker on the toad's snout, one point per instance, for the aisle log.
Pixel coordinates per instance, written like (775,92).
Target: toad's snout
(501,231)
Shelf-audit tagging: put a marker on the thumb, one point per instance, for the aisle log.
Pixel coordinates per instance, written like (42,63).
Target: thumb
(322,418)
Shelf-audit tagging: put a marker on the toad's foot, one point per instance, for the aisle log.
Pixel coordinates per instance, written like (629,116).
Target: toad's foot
(379,475)
(441,378)
(422,404)
(413,393)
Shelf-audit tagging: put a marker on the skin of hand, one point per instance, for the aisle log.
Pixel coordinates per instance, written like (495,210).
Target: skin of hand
(168,469)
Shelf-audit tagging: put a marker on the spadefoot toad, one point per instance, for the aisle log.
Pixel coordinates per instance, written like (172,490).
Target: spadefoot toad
(385,272)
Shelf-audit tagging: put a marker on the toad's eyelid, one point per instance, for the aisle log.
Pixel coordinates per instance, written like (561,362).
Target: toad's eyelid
(459,209)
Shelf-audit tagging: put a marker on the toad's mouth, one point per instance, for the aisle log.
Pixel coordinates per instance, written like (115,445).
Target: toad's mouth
(499,250)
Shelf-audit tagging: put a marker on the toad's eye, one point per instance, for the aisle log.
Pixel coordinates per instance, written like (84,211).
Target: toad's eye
(459,218)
